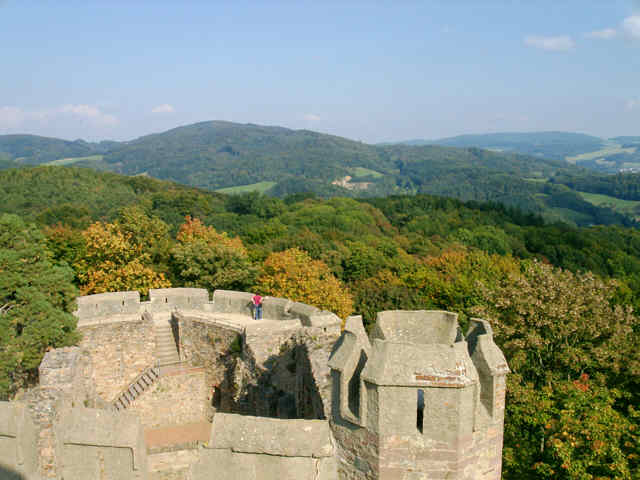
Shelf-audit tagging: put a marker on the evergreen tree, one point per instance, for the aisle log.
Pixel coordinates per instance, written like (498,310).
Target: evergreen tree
(36,298)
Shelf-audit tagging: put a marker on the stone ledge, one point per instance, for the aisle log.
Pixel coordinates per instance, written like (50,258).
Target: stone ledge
(271,436)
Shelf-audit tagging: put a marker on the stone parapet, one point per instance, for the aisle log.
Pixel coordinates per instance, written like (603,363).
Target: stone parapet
(255,448)
(162,299)
(84,430)
(17,439)
(126,306)
(103,304)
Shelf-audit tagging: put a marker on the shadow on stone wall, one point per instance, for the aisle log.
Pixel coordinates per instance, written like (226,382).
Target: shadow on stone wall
(8,474)
(283,388)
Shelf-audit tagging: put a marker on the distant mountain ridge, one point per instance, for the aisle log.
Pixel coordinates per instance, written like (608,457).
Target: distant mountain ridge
(241,157)
(552,144)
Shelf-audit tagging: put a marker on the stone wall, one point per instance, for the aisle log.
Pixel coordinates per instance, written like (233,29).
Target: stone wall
(255,448)
(46,438)
(177,397)
(215,348)
(356,452)
(101,444)
(17,439)
(173,465)
(313,375)
(120,350)
(426,404)
(70,370)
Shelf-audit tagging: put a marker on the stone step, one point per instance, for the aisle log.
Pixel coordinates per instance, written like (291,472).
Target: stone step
(163,355)
(168,360)
(165,339)
(164,334)
(163,331)
(140,385)
(166,351)
(166,348)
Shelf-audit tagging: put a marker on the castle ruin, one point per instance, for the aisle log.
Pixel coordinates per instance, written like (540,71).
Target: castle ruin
(188,387)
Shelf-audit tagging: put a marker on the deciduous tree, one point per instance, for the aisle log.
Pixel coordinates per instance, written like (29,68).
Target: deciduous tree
(119,255)
(205,258)
(294,274)
(575,384)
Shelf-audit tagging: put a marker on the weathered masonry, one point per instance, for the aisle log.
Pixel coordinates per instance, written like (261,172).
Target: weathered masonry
(185,386)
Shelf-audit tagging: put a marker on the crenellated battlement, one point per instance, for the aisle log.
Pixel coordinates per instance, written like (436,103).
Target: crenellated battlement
(293,395)
(127,306)
(423,397)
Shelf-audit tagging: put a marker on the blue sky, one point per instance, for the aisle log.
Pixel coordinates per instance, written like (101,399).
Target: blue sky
(370,71)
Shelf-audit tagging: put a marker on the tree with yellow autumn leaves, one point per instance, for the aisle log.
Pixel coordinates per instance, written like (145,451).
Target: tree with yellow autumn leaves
(295,275)
(121,255)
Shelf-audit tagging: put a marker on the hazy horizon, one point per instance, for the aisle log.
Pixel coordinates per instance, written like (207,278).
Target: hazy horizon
(400,140)
(382,72)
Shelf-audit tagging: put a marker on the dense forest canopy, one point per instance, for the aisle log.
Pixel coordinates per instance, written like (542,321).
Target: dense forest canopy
(561,298)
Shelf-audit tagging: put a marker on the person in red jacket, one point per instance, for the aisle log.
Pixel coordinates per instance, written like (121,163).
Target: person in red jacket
(257,307)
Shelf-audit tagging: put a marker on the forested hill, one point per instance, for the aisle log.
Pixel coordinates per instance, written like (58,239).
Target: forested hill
(223,155)
(570,335)
(34,150)
(50,195)
(554,145)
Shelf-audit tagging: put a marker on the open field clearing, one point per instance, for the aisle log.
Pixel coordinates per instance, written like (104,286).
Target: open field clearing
(618,204)
(253,187)
(365,172)
(71,161)
(610,149)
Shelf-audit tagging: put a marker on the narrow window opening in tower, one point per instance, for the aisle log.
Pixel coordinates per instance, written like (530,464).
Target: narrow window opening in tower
(420,416)
(354,386)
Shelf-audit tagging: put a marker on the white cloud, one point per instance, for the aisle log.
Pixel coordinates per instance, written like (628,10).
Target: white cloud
(632,104)
(631,26)
(605,34)
(90,112)
(18,118)
(311,117)
(562,43)
(164,108)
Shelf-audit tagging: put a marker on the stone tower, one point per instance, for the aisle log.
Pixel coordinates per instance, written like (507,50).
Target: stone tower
(420,401)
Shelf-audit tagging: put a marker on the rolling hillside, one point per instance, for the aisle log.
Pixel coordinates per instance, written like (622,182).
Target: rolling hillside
(553,145)
(237,158)
(35,150)
(617,154)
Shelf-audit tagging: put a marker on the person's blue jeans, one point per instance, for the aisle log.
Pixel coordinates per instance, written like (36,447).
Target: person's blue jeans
(257,313)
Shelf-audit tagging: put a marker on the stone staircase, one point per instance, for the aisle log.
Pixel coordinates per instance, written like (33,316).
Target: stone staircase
(135,389)
(166,348)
